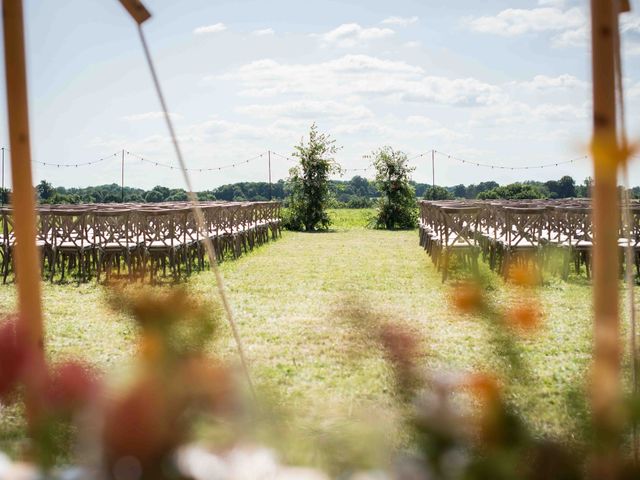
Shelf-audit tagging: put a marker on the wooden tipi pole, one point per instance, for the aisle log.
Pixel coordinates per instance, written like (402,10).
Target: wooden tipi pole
(605,387)
(27,263)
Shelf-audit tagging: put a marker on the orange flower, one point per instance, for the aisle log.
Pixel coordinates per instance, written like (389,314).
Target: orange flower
(524,317)
(208,384)
(490,422)
(483,386)
(467,297)
(523,276)
(151,347)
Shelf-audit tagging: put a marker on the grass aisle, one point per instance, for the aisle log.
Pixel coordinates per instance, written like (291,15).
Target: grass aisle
(301,303)
(308,305)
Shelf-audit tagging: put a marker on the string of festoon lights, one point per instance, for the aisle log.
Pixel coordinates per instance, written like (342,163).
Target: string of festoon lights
(207,169)
(80,164)
(118,155)
(293,160)
(430,153)
(506,167)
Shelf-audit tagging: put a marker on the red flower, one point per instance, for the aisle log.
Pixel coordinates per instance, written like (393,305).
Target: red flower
(13,355)
(72,385)
(142,423)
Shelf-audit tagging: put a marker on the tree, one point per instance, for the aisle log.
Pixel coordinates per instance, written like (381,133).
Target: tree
(513,191)
(225,192)
(566,187)
(309,182)
(553,187)
(133,197)
(238,194)
(397,203)
(460,191)
(206,196)
(178,195)
(45,190)
(588,186)
(563,188)
(437,192)
(153,196)
(360,186)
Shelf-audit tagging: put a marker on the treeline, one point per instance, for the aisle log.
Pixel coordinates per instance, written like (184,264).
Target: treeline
(114,193)
(565,187)
(358,192)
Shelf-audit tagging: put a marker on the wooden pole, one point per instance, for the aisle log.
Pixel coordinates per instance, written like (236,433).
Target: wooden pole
(2,196)
(122,179)
(605,388)
(27,259)
(270,188)
(433,168)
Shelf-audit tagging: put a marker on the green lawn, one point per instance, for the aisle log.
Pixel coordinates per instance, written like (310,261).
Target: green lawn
(306,306)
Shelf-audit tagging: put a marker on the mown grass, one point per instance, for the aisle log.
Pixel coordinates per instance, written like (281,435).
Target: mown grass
(307,307)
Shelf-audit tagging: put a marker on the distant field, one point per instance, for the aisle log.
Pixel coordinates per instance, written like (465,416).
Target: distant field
(295,301)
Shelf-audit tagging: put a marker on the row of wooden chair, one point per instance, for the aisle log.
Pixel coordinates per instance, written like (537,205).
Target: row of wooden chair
(507,232)
(144,238)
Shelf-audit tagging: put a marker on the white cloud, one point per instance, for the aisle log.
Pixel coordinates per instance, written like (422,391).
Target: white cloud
(400,21)
(149,116)
(555,112)
(520,113)
(264,32)
(631,48)
(564,81)
(553,3)
(351,34)
(515,21)
(412,44)
(577,37)
(361,75)
(569,26)
(215,28)
(630,22)
(422,121)
(307,109)
(427,127)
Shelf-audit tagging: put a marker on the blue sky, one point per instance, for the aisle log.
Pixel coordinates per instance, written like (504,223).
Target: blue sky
(504,82)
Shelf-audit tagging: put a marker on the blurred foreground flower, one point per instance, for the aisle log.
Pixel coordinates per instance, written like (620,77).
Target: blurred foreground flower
(523,276)
(467,297)
(524,317)
(401,348)
(13,354)
(147,421)
(72,385)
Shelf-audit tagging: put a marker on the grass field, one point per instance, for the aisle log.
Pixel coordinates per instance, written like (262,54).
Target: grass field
(300,302)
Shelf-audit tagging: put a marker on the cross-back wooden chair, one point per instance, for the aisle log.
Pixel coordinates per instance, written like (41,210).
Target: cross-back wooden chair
(116,239)
(73,244)
(458,236)
(8,242)
(522,238)
(164,240)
